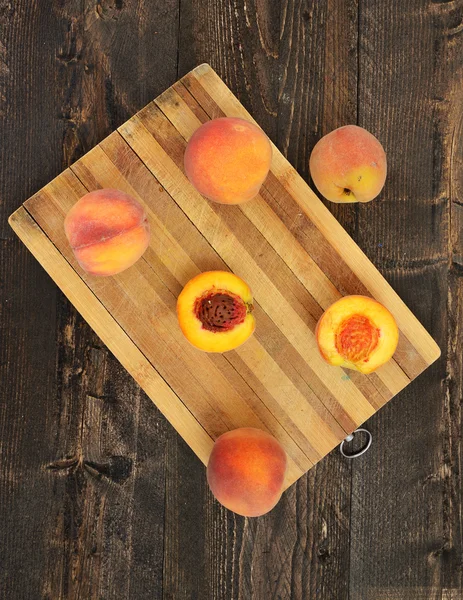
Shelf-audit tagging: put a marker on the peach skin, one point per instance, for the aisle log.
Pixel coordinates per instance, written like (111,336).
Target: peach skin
(358,333)
(214,311)
(348,165)
(108,231)
(246,471)
(228,159)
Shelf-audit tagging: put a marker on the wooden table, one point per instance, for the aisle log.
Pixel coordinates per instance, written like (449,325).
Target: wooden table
(99,496)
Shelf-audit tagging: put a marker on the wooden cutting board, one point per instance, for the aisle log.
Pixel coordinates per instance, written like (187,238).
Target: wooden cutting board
(285,244)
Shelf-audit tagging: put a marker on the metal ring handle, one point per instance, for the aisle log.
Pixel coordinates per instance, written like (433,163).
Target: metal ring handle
(350,437)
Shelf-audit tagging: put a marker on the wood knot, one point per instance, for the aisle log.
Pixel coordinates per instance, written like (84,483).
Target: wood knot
(116,468)
(7,11)
(324,554)
(109,10)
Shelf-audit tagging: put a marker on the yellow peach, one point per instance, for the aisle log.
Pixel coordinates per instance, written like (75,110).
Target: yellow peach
(246,471)
(348,165)
(108,231)
(228,159)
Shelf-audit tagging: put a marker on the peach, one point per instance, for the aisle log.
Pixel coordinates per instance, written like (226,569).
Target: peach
(228,159)
(108,231)
(348,165)
(246,471)
(214,311)
(358,333)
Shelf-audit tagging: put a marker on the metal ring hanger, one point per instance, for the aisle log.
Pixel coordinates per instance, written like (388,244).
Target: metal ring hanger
(350,437)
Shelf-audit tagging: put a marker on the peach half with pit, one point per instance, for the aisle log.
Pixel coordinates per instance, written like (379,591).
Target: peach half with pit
(214,311)
(227,160)
(357,332)
(108,231)
(246,471)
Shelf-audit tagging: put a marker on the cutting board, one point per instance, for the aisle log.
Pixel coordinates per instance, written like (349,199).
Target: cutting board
(285,244)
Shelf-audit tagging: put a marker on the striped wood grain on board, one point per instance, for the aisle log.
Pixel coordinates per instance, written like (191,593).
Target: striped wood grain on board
(285,244)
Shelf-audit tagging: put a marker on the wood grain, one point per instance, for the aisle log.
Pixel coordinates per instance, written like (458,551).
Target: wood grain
(412,554)
(308,425)
(28,324)
(70,73)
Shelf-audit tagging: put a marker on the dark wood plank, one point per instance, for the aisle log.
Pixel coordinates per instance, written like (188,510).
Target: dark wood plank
(318,92)
(83,449)
(96,448)
(450,472)
(185,551)
(242,43)
(146,549)
(406,530)
(28,354)
(27,404)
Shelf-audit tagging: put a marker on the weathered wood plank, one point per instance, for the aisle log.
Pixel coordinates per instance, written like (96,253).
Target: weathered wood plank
(61,95)
(450,472)
(317,93)
(27,430)
(116,57)
(28,302)
(405,489)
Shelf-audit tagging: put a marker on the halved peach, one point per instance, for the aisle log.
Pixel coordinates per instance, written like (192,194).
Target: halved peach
(214,311)
(358,333)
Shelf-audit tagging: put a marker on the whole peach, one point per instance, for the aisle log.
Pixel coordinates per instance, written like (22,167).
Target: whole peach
(228,159)
(108,231)
(348,165)
(246,471)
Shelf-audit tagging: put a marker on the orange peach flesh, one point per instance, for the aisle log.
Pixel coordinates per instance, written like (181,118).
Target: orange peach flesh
(246,471)
(348,165)
(214,311)
(356,338)
(108,231)
(358,333)
(228,159)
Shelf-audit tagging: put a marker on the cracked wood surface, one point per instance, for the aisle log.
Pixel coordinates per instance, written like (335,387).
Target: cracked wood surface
(99,497)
